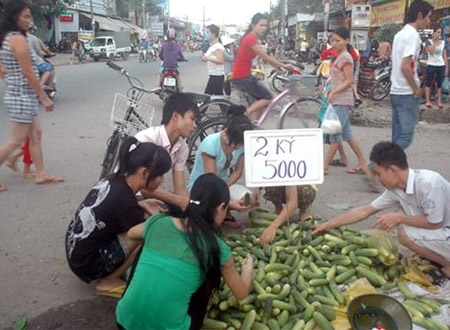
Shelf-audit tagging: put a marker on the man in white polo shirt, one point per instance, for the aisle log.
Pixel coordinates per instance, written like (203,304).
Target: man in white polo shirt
(405,85)
(423,197)
(178,122)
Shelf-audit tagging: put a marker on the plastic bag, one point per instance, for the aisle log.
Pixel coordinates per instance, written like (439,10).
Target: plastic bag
(446,85)
(331,123)
(386,245)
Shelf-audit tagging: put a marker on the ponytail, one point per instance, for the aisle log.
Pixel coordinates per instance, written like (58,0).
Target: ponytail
(201,229)
(134,155)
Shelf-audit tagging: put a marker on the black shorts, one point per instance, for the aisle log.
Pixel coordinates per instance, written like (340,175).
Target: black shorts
(254,87)
(214,85)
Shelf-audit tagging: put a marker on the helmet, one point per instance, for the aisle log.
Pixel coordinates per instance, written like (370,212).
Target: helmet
(171,34)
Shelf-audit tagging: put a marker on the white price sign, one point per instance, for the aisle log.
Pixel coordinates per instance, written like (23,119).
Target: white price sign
(284,157)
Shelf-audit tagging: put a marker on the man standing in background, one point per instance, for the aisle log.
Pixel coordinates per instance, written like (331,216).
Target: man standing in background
(405,88)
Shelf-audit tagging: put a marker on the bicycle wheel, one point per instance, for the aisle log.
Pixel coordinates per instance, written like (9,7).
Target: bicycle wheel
(111,158)
(300,114)
(279,82)
(214,108)
(204,128)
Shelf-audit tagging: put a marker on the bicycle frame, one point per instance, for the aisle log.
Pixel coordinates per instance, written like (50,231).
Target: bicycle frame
(271,106)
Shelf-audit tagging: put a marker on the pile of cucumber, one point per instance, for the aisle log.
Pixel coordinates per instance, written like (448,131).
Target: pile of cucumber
(295,283)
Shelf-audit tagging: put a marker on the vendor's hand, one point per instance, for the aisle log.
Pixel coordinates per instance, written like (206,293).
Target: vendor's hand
(247,264)
(203,58)
(152,206)
(268,235)
(389,220)
(238,205)
(320,228)
(47,103)
(330,97)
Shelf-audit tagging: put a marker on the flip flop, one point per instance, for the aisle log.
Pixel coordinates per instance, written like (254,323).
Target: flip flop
(440,106)
(30,175)
(231,222)
(116,292)
(3,187)
(356,170)
(337,162)
(49,179)
(429,106)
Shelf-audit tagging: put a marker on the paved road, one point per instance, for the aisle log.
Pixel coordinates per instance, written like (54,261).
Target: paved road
(33,218)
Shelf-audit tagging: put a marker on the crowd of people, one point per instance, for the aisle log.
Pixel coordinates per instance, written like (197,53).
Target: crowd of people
(131,226)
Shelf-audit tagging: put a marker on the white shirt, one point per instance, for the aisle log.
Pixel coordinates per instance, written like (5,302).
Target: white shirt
(436,59)
(427,193)
(178,152)
(215,69)
(406,44)
(303,46)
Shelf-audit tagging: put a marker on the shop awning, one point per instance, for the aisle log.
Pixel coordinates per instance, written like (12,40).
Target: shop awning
(135,27)
(123,26)
(105,23)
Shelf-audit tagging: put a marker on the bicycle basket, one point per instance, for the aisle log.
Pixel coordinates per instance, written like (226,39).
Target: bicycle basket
(130,116)
(303,85)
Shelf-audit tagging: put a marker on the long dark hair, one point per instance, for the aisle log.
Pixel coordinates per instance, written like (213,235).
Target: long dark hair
(255,20)
(134,155)
(235,128)
(11,12)
(201,229)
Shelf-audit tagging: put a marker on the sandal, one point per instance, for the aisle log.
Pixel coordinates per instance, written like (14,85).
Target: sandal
(337,162)
(3,187)
(429,106)
(356,170)
(231,222)
(48,179)
(29,175)
(113,293)
(440,106)
(12,165)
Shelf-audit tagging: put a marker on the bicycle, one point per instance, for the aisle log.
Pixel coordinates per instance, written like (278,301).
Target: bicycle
(135,117)
(128,116)
(301,112)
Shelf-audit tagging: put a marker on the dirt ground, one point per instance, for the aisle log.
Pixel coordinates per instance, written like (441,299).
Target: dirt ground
(98,312)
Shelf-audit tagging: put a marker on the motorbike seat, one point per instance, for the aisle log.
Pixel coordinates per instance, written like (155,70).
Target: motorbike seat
(200,98)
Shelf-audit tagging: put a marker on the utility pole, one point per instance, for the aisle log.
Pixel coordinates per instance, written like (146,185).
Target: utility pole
(92,16)
(326,9)
(144,25)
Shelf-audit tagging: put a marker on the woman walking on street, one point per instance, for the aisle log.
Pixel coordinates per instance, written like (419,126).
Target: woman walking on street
(214,58)
(341,98)
(437,68)
(23,90)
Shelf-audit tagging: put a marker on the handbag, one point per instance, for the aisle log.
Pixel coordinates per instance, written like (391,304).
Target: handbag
(331,123)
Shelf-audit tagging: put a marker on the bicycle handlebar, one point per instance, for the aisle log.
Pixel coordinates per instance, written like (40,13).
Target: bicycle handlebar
(124,72)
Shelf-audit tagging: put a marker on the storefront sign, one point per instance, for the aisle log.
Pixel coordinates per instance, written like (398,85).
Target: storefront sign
(66,17)
(361,15)
(391,12)
(439,4)
(284,157)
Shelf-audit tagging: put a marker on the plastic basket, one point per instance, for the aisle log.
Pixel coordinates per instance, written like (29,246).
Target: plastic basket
(130,116)
(303,85)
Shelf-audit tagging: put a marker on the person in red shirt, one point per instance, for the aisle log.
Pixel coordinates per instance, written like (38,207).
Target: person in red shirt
(248,49)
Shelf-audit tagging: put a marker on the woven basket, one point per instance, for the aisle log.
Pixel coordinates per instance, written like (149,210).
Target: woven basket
(303,85)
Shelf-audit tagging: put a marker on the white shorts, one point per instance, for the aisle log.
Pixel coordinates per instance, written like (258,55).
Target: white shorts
(436,240)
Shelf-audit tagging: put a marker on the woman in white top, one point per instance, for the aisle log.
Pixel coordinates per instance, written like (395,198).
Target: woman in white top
(436,67)
(214,59)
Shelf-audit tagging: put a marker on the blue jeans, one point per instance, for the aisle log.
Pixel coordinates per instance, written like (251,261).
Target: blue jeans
(405,109)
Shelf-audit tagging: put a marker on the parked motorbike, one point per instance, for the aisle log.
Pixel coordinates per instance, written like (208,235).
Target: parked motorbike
(374,79)
(382,85)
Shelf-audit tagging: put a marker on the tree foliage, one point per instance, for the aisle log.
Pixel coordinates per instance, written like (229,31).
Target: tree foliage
(387,32)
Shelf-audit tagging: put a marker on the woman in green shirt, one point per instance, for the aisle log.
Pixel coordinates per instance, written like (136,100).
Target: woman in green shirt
(178,257)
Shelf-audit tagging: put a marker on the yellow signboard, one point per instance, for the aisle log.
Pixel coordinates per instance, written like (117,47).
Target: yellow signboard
(439,4)
(391,12)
